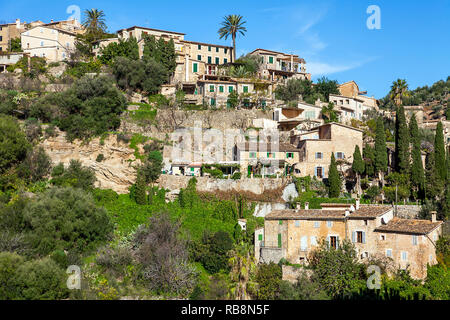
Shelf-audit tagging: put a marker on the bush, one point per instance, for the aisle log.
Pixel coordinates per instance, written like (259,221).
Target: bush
(115,260)
(100,157)
(236,176)
(104,196)
(268,278)
(13,143)
(65,219)
(75,176)
(9,263)
(215,257)
(36,166)
(41,280)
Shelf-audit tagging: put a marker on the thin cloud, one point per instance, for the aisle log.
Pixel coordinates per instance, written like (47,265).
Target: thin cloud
(318,68)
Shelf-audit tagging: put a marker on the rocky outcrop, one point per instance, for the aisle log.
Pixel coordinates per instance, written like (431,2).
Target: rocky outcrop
(115,172)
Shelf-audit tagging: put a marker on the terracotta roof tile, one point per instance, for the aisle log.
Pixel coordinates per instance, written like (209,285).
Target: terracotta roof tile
(409,226)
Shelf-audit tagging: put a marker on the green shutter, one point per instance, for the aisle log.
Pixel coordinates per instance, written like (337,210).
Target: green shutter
(225,60)
(213,102)
(209,48)
(270,59)
(217,49)
(230,89)
(211,88)
(279,240)
(280,222)
(221,89)
(199,47)
(209,60)
(259,237)
(199,57)
(195,67)
(245,89)
(217,60)
(225,50)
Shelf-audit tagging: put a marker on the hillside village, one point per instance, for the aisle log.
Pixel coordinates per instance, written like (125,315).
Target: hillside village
(258,163)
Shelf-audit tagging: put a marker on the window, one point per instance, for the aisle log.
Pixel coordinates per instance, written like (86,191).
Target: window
(211,88)
(194,67)
(279,240)
(230,89)
(313,241)
(1,38)
(270,59)
(252,155)
(192,169)
(42,43)
(319,172)
(333,242)
(199,57)
(245,89)
(41,30)
(414,240)
(209,60)
(290,155)
(339,155)
(217,49)
(359,236)
(259,237)
(389,253)
(213,102)
(304,243)
(199,47)
(280,222)
(316,224)
(270,155)
(329,224)
(404,255)
(382,237)
(319,155)
(225,51)
(221,89)
(1,49)
(217,60)
(297,223)
(225,60)
(209,48)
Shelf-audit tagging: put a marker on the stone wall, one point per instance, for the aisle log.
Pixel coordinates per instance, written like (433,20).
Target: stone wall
(206,184)
(408,211)
(269,254)
(291,273)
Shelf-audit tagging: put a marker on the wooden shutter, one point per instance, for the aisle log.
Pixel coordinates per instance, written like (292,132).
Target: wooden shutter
(363,237)
(353,236)
(279,240)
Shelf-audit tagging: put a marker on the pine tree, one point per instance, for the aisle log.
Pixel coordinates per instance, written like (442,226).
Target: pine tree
(417,173)
(402,156)
(141,192)
(381,158)
(439,154)
(358,167)
(334,180)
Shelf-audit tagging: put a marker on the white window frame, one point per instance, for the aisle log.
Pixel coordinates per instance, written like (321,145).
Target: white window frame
(389,251)
(404,255)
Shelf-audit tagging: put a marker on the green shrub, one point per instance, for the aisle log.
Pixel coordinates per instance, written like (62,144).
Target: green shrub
(9,263)
(100,157)
(236,176)
(65,219)
(13,143)
(75,176)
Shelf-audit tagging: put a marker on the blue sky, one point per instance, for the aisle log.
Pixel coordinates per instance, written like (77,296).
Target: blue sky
(331,35)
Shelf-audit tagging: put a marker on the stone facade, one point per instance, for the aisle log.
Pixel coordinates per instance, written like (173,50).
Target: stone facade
(375,232)
(8,32)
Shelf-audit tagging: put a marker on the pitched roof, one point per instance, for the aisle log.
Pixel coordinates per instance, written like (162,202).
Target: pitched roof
(145,28)
(278,147)
(414,226)
(310,214)
(364,212)
(207,44)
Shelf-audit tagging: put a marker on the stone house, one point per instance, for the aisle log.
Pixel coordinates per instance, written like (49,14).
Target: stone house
(351,108)
(315,148)
(265,158)
(293,234)
(47,42)
(351,89)
(8,32)
(10,58)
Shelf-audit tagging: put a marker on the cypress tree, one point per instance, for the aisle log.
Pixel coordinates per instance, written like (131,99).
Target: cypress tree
(141,192)
(381,158)
(439,154)
(401,142)
(150,47)
(334,180)
(417,173)
(433,185)
(358,167)
(369,160)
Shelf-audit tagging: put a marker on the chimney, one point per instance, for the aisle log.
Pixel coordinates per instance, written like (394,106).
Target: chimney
(298,206)
(306,205)
(433,216)
(347,213)
(357,203)
(51,21)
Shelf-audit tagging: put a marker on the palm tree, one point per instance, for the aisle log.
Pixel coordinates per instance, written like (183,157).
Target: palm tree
(399,90)
(329,113)
(231,26)
(94,23)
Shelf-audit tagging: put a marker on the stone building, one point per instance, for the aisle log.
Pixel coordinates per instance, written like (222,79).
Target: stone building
(373,229)
(315,148)
(351,108)
(48,42)
(8,32)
